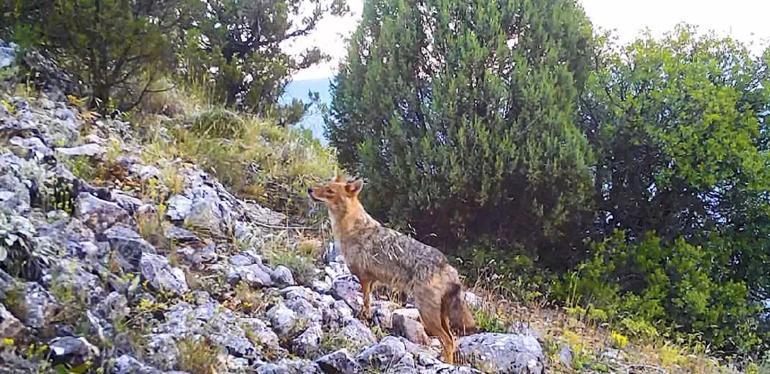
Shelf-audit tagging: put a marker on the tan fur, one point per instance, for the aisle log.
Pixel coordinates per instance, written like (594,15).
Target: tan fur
(375,253)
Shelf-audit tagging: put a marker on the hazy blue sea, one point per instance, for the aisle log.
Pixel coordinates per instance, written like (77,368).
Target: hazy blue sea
(313,119)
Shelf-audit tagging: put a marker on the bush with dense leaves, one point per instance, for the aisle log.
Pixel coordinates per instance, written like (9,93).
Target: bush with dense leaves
(677,286)
(461,117)
(113,47)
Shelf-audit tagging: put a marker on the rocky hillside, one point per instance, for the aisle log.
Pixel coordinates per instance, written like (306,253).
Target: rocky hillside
(156,267)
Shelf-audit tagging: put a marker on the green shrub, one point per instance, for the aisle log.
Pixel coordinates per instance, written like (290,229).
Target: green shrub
(269,163)
(129,42)
(509,272)
(678,284)
(475,137)
(218,123)
(197,356)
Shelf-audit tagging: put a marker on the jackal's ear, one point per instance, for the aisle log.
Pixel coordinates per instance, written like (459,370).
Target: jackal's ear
(338,178)
(354,187)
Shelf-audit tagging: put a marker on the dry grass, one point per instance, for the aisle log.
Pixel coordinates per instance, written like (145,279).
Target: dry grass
(260,161)
(589,338)
(197,356)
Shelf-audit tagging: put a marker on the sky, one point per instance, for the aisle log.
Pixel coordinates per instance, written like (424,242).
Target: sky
(745,20)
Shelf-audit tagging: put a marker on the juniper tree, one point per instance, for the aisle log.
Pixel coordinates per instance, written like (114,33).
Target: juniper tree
(461,116)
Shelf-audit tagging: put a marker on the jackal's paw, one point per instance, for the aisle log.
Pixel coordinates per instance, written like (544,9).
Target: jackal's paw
(365,314)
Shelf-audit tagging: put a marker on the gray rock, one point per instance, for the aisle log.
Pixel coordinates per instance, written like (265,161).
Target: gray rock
(282,277)
(145,172)
(198,256)
(72,275)
(565,356)
(178,207)
(36,307)
(335,270)
(129,203)
(268,340)
(244,259)
(287,366)
(76,231)
(7,54)
(410,329)
(89,150)
(472,299)
(231,337)
(390,354)
(113,307)
(303,307)
(162,276)
(357,333)
(181,236)
(346,288)
(161,351)
(255,275)
(332,253)
(98,214)
(345,312)
(126,364)
(76,349)
(282,319)
(10,326)
(129,246)
(321,286)
(308,342)
(33,148)
(382,315)
(503,353)
(431,365)
(339,362)
(205,214)
(409,313)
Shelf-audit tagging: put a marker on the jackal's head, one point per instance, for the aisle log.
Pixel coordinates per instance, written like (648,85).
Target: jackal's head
(339,195)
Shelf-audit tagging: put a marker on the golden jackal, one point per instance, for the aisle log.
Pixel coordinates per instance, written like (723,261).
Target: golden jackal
(375,253)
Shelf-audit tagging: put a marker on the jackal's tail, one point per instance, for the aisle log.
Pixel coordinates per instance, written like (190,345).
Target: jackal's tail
(460,317)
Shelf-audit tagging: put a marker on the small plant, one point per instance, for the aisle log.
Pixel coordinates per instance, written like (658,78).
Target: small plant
(82,167)
(618,340)
(302,267)
(171,178)
(247,299)
(73,300)
(218,123)
(21,253)
(14,300)
(273,165)
(670,355)
(150,226)
(639,328)
(334,340)
(197,356)
(488,320)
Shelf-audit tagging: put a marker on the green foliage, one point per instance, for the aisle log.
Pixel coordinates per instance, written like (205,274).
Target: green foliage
(237,46)
(678,285)
(121,47)
(303,267)
(267,162)
(197,356)
(487,320)
(218,123)
(463,132)
(508,272)
(678,127)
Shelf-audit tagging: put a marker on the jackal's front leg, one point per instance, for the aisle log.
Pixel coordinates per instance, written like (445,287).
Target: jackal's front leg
(366,287)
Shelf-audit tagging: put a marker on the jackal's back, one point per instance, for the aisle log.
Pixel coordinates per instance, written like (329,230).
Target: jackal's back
(390,257)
